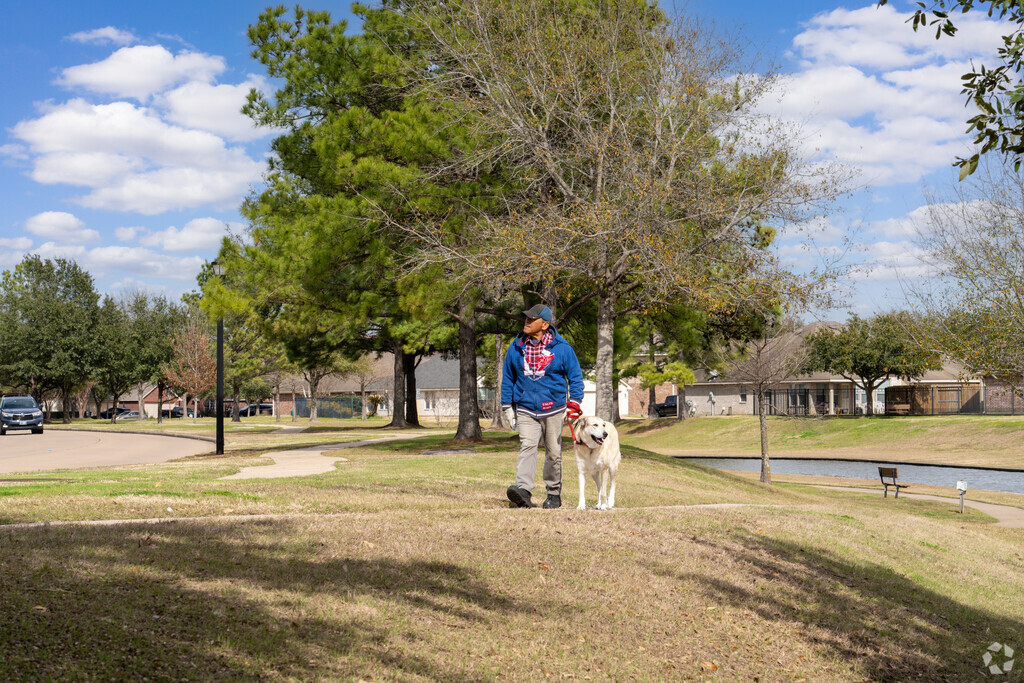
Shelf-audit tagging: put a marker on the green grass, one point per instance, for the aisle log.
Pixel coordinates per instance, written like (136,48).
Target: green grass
(971,440)
(402,564)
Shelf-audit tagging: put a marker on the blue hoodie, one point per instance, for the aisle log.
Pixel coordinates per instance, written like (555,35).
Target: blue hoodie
(542,394)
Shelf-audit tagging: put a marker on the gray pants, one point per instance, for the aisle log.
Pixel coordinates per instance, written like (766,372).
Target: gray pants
(531,430)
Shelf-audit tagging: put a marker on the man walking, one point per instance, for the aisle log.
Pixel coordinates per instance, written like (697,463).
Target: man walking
(541,382)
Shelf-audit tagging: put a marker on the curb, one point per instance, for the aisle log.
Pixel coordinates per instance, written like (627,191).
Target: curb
(867,460)
(141,433)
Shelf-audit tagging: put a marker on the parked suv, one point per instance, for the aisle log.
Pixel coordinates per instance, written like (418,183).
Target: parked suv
(20,412)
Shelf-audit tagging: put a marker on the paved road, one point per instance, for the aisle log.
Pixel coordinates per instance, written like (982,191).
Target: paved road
(23,451)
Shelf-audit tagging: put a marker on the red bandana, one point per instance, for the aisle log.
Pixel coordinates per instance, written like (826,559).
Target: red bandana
(536,357)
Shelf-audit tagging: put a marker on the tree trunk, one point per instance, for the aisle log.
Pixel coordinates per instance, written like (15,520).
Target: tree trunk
(99,403)
(603,367)
(277,404)
(362,401)
(160,403)
(65,404)
(412,417)
(652,396)
(195,408)
(235,415)
(680,404)
(869,390)
(766,469)
(314,386)
(498,419)
(142,407)
(469,407)
(113,410)
(398,404)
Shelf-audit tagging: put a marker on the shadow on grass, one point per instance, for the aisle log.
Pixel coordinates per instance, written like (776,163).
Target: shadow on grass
(641,428)
(891,626)
(187,602)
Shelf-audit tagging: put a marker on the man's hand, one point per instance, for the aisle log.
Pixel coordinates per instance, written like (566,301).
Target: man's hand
(510,418)
(573,410)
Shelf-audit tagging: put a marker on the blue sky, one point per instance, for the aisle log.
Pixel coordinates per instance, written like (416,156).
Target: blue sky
(121,145)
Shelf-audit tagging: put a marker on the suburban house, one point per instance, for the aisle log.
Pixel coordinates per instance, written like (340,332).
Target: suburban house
(941,391)
(437,391)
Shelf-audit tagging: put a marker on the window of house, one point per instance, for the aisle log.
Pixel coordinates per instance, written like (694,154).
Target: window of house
(428,400)
(743,394)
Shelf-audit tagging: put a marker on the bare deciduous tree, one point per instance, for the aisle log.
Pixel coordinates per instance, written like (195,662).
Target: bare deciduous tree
(193,368)
(779,353)
(645,178)
(972,305)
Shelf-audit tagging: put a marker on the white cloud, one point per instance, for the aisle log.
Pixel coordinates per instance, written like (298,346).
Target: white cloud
(880,38)
(127,234)
(134,161)
(61,227)
(101,261)
(131,284)
(141,71)
(820,228)
(890,261)
(10,258)
(90,169)
(103,36)
(167,189)
(872,94)
(214,108)
(14,151)
(21,243)
(196,235)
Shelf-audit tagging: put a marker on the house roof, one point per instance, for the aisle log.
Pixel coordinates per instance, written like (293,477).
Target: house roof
(433,373)
(438,372)
(950,371)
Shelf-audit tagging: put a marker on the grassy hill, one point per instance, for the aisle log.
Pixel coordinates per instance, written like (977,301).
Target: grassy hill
(404,563)
(969,440)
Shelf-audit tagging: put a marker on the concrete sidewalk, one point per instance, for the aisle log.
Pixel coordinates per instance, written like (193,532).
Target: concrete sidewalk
(302,462)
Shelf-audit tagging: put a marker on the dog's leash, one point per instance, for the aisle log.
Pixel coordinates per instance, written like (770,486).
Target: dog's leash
(572,431)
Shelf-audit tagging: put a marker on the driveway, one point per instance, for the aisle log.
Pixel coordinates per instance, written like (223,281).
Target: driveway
(23,451)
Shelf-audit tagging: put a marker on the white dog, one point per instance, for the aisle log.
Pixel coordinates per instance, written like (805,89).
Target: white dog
(597,454)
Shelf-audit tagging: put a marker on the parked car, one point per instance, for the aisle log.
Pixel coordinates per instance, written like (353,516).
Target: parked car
(119,410)
(176,411)
(256,409)
(20,412)
(669,407)
(128,415)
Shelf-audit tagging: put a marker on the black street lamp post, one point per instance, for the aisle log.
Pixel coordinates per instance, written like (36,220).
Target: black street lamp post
(218,270)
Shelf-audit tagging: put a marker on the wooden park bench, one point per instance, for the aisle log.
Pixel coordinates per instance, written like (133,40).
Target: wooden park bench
(889,475)
(899,408)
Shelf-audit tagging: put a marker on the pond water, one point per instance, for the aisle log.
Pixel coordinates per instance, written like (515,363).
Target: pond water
(989,480)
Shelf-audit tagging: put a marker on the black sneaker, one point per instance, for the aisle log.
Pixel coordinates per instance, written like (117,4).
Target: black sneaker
(520,498)
(552,502)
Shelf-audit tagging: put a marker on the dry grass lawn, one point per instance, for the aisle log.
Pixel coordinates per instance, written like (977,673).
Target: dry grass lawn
(766,594)
(406,565)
